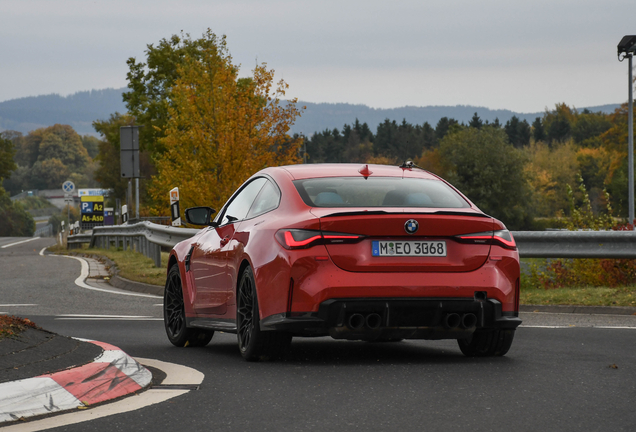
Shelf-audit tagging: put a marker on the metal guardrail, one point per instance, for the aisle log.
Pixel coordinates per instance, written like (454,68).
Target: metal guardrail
(147,238)
(576,244)
(144,237)
(45,231)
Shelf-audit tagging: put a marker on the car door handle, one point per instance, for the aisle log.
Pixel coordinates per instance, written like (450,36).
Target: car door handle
(224,240)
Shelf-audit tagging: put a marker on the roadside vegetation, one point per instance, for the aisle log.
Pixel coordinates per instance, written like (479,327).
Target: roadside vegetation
(11,326)
(130,265)
(580,296)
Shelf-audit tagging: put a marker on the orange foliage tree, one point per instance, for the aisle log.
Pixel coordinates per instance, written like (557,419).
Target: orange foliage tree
(221,129)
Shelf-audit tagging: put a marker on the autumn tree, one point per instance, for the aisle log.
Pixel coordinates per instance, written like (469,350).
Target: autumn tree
(46,155)
(151,81)
(221,129)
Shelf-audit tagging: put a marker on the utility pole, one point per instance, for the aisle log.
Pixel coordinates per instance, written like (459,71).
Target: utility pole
(627,47)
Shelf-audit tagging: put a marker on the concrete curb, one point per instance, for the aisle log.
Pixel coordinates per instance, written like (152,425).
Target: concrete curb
(111,375)
(126,284)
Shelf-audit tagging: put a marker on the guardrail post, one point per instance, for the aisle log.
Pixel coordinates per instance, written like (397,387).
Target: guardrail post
(157,255)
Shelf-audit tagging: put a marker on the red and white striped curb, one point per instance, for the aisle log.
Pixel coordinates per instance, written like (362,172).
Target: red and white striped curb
(112,374)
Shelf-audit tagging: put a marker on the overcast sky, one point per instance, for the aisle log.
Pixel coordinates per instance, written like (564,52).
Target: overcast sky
(519,55)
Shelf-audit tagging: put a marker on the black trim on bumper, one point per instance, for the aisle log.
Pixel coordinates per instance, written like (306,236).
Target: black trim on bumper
(407,318)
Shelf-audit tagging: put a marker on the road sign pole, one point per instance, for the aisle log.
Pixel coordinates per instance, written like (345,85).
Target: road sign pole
(129,197)
(137,198)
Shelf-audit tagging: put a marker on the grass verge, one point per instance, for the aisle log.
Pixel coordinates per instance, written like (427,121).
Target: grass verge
(131,265)
(581,296)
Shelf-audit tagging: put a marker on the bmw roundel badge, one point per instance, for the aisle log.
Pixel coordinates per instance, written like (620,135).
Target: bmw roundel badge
(411,226)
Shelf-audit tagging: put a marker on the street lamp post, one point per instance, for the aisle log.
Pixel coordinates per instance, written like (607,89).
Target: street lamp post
(627,47)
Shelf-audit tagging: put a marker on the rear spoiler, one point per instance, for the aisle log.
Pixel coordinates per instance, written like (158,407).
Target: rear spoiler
(382,212)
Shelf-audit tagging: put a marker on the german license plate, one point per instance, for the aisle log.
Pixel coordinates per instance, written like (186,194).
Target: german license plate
(408,248)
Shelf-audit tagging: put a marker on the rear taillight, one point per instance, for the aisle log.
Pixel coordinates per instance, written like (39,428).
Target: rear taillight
(303,239)
(501,238)
(504,239)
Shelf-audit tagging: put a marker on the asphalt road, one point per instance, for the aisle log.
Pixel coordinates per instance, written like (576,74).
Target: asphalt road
(564,372)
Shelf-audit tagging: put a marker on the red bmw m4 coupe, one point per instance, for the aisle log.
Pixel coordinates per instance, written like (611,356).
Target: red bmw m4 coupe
(371,252)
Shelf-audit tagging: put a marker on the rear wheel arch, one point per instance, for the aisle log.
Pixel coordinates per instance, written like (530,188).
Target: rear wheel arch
(171,261)
(244,264)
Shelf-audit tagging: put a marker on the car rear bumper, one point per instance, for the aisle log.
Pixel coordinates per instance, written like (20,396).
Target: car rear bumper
(396,318)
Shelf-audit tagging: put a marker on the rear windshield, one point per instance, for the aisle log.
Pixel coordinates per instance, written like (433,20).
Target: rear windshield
(378,192)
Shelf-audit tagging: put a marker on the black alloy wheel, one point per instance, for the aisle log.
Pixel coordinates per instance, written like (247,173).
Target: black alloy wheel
(253,343)
(174,315)
(487,343)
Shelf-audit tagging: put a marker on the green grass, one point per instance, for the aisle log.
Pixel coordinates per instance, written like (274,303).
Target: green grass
(131,265)
(582,296)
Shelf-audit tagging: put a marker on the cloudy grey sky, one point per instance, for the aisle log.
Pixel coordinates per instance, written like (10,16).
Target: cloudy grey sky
(519,55)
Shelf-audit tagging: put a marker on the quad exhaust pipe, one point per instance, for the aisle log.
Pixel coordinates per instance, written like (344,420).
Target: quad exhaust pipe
(453,320)
(373,321)
(357,321)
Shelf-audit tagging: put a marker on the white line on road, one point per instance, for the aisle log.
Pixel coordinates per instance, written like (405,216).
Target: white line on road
(546,326)
(575,326)
(101,316)
(107,319)
(17,305)
(175,374)
(84,274)
(615,327)
(20,242)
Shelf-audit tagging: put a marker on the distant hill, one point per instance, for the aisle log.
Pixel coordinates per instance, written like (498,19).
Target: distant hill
(80,109)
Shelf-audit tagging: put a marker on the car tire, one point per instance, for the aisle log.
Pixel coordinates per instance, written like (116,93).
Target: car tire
(487,343)
(253,343)
(174,315)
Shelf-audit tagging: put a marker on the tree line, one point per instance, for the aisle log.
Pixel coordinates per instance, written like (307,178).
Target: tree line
(516,171)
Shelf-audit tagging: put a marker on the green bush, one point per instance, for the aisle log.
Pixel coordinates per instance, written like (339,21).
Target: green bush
(16,221)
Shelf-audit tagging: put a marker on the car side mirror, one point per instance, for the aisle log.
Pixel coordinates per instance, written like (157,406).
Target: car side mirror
(200,216)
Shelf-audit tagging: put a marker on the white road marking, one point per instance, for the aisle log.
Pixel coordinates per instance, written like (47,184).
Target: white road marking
(575,326)
(615,327)
(158,304)
(17,305)
(42,251)
(176,374)
(102,316)
(545,326)
(84,274)
(107,319)
(20,242)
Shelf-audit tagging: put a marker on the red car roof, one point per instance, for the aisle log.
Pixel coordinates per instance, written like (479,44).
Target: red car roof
(351,170)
